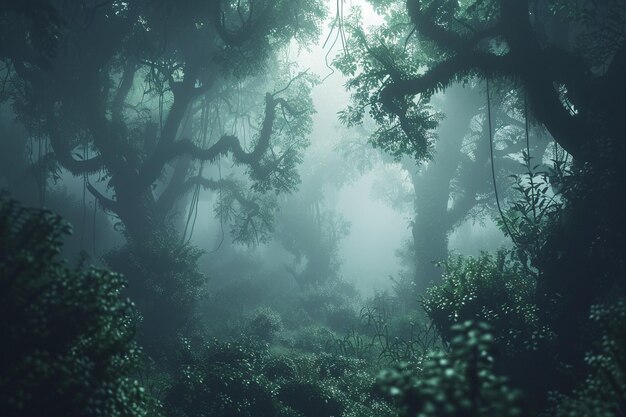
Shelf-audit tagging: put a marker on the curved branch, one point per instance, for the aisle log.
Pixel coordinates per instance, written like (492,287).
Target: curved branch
(63,153)
(227,144)
(445,73)
(105,202)
(249,25)
(521,63)
(301,74)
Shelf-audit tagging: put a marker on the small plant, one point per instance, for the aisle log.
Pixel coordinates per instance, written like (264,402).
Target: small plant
(538,204)
(385,338)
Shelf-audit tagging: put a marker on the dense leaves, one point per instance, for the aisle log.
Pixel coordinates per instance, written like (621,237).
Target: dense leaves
(165,284)
(373,62)
(243,378)
(68,337)
(495,289)
(461,382)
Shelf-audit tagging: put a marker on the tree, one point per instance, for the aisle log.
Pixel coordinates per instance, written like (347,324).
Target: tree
(143,100)
(451,177)
(113,86)
(309,228)
(564,61)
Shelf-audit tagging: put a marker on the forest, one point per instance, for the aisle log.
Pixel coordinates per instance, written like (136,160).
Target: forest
(313,208)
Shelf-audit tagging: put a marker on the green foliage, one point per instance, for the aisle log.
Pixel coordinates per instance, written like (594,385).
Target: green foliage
(68,344)
(242,378)
(600,34)
(458,383)
(537,206)
(276,170)
(268,26)
(385,337)
(220,379)
(337,386)
(331,304)
(311,338)
(249,214)
(264,323)
(603,394)
(492,288)
(373,62)
(164,281)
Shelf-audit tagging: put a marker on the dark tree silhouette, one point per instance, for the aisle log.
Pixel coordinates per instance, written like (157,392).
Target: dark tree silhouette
(112,87)
(564,61)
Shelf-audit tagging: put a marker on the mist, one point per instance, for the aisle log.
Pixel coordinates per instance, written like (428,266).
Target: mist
(312,208)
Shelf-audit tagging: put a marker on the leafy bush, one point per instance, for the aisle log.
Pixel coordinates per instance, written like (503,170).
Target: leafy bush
(264,323)
(221,379)
(68,344)
(337,385)
(492,288)
(165,283)
(313,338)
(460,382)
(331,303)
(243,378)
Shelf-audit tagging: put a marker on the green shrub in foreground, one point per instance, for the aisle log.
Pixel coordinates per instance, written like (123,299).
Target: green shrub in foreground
(458,383)
(67,337)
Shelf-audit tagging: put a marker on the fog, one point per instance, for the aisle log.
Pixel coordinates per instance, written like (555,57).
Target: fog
(312,208)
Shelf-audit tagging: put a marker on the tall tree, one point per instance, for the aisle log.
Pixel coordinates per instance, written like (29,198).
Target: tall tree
(145,97)
(451,176)
(114,84)
(564,60)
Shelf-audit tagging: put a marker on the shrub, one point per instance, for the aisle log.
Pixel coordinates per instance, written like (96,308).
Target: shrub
(68,344)
(165,283)
(221,379)
(243,378)
(264,324)
(331,304)
(495,289)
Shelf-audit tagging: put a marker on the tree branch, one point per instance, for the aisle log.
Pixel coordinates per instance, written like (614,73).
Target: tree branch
(63,153)
(105,202)
(227,144)
(248,28)
(224,185)
(520,63)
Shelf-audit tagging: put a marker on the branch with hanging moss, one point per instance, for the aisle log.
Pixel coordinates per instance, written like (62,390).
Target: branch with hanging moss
(227,144)
(252,221)
(525,54)
(105,202)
